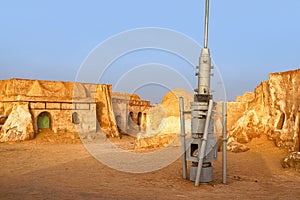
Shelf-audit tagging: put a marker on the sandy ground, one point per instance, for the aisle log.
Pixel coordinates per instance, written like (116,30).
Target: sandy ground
(47,170)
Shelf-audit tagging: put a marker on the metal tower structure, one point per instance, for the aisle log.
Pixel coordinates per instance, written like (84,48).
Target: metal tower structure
(201,149)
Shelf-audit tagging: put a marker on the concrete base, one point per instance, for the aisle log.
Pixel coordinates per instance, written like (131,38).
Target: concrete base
(206,175)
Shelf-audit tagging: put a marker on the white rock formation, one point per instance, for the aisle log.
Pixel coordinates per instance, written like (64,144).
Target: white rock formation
(18,125)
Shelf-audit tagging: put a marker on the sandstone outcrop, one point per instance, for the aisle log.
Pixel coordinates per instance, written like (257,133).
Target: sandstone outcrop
(157,141)
(18,125)
(272,109)
(105,114)
(170,102)
(163,125)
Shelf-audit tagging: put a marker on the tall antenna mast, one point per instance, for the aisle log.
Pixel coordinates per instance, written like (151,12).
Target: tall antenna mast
(204,73)
(206,24)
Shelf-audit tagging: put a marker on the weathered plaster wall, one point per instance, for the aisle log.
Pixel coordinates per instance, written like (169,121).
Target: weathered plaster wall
(61,119)
(91,102)
(131,112)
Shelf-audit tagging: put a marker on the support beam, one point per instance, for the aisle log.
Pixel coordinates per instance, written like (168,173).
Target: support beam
(201,151)
(182,122)
(224,149)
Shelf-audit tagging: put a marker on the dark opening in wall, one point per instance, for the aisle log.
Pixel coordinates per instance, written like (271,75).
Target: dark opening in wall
(145,119)
(293,118)
(139,121)
(130,118)
(281,121)
(75,118)
(44,120)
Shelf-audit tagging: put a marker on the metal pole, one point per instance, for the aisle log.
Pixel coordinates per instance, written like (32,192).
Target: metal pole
(201,152)
(224,151)
(206,24)
(205,67)
(182,122)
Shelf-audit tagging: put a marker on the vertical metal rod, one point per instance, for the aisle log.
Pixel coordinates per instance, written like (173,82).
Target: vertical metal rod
(224,151)
(206,24)
(182,126)
(202,149)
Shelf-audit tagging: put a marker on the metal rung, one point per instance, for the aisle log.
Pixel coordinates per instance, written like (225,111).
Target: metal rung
(199,114)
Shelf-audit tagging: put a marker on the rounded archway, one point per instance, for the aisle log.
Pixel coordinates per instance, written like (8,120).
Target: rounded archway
(44,120)
(75,118)
(130,118)
(139,119)
(145,119)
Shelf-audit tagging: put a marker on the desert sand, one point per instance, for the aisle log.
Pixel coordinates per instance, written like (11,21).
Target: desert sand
(48,169)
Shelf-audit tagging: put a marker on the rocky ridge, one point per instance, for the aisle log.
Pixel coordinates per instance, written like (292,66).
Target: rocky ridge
(272,109)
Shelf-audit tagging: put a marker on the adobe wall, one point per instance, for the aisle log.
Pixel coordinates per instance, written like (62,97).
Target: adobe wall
(91,102)
(61,116)
(130,112)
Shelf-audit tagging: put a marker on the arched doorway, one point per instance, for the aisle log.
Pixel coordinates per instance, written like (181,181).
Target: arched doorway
(144,121)
(130,124)
(44,120)
(75,118)
(139,119)
(130,118)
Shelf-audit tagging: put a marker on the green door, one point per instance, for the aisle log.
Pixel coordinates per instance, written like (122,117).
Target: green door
(44,120)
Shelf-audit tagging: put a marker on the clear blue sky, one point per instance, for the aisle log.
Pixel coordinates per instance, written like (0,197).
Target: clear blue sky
(248,39)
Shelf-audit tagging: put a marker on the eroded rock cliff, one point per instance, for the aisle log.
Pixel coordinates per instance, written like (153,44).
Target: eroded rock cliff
(104,111)
(272,109)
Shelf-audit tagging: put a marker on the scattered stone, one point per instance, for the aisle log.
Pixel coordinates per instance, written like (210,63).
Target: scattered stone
(236,147)
(292,161)
(156,141)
